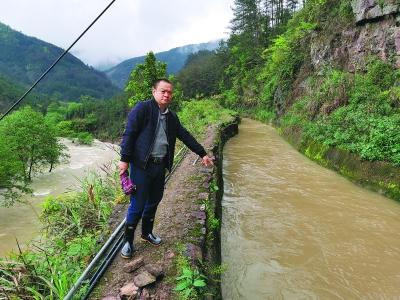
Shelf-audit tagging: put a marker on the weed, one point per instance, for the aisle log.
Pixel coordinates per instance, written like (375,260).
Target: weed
(189,282)
(214,186)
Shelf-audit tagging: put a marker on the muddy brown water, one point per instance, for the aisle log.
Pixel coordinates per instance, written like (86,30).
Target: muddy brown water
(20,222)
(294,230)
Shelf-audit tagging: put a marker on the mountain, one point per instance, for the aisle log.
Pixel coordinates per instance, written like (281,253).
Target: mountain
(175,59)
(23,59)
(10,92)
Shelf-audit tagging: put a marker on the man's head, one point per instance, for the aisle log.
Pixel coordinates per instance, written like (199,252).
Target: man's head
(162,92)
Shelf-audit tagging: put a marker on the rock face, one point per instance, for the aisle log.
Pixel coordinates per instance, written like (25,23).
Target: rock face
(377,34)
(366,10)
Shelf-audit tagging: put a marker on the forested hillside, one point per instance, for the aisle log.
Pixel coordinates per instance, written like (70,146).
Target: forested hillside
(174,58)
(11,92)
(23,59)
(325,72)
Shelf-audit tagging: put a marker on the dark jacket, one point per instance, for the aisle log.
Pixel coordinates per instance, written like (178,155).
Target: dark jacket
(139,136)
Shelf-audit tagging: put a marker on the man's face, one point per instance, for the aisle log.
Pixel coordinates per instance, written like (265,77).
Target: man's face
(163,94)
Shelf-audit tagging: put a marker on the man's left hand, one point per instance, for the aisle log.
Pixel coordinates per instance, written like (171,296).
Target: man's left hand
(208,161)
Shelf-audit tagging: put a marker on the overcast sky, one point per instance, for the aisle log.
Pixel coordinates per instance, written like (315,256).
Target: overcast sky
(129,28)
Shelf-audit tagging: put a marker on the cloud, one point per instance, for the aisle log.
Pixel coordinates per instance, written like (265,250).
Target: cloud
(129,28)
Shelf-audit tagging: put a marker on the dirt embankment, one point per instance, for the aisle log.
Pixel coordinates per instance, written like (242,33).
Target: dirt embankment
(190,200)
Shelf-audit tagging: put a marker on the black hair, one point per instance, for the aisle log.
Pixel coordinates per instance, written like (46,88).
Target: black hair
(157,81)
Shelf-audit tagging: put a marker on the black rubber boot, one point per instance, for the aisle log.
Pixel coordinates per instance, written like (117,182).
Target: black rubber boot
(147,232)
(127,248)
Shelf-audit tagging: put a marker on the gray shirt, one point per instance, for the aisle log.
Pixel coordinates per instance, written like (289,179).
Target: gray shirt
(160,146)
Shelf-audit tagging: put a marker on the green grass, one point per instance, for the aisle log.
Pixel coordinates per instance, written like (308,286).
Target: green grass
(355,112)
(72,224)
(190,282)
(196,115)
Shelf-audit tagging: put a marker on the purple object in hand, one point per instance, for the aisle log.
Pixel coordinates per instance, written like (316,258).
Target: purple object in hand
(127,186)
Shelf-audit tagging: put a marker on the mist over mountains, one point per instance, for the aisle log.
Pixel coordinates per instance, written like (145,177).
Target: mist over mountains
(23,59)
(175,59)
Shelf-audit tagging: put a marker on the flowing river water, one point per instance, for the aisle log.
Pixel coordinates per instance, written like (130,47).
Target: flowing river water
(294,230)
(21,220)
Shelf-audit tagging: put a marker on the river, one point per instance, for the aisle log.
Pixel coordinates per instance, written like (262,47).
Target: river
(294,230)
(21,220)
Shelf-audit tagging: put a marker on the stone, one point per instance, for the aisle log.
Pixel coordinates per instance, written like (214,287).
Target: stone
(144,278)
(145,295)
(133,265)
(128,291)
(154,269)
(203,207)
(203,196)
(199,215)
(366,10)
(193,252)
(350,48)
(170,254)
(397,40)
(109,298)
(162,295)
(206,170)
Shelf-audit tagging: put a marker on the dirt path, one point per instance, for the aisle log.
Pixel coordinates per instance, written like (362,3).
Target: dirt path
(175,222)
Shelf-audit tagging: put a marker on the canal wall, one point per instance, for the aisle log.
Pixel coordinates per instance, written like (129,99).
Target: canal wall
(212,239)
(378,176)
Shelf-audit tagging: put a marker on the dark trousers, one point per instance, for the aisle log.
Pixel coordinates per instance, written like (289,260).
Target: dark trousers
(149,192)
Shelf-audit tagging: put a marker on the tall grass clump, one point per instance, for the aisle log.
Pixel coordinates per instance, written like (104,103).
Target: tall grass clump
(196,115)
(72,225)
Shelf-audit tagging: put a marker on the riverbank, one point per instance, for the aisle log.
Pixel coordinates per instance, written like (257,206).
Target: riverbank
(21,221)
(188,220)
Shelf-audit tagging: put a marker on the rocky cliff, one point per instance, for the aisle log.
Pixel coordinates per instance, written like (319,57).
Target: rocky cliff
(348,44)
(375,31)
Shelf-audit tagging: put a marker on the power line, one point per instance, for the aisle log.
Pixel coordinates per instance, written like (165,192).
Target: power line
(55,62)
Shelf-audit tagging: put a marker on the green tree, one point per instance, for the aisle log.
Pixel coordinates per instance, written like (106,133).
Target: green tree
(12,177)
(202,74)
(142,77)
(254,26)
(28,144)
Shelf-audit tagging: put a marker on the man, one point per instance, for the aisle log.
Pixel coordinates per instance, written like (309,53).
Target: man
(148,145)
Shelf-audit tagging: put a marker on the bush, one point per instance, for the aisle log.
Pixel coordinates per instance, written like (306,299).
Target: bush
(283,59)
(85,138)
(264,115)
(363,115)
(197,114)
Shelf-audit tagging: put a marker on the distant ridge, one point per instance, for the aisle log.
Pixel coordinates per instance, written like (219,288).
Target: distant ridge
(175,59)
(23,59)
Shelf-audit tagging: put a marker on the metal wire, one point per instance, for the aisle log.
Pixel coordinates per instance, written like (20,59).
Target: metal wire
(55,62)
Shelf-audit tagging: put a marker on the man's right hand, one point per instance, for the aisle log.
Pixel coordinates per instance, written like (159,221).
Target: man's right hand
(123,166)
